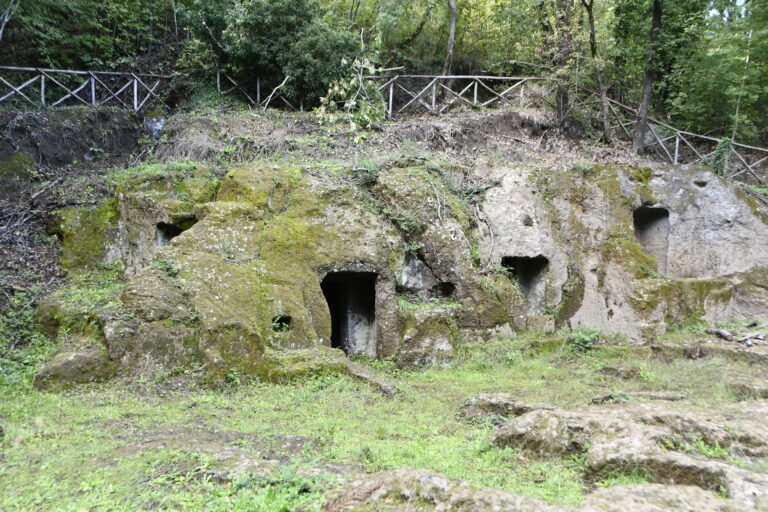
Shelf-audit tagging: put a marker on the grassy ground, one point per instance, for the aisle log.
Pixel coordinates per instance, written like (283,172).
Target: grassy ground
(150,446)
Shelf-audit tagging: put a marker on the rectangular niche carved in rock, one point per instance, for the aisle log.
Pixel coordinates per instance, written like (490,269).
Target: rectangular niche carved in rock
(351,298)
(530,273)
(652,232)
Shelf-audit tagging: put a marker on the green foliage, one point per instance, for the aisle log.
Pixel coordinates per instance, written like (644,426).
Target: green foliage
(22,346)
(695,444)
(76,34)
(718,160)
(167,266)
(273,39)
(354,99)
(583,339)
(631,474)
(93,289)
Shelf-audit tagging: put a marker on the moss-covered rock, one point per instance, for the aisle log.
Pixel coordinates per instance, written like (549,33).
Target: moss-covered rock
(90,363)
(87,235)
(14,173)
(430,333)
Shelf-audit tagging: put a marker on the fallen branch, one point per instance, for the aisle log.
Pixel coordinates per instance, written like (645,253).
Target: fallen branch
(45,188)
(269,99)
(720,333)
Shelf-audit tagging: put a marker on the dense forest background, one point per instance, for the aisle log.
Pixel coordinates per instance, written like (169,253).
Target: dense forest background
(706,61)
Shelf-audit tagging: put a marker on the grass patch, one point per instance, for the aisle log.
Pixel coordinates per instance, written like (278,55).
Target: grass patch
(76,450)
(633,474)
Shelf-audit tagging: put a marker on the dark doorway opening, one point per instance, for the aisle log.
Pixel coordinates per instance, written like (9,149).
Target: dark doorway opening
(652,232)
(351,298)
(529,272)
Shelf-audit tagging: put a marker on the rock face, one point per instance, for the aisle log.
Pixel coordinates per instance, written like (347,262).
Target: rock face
(422,491)
(276,258)
(627,250)
(675,446)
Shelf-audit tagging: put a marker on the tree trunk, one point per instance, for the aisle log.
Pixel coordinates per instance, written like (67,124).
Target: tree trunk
(563,56)
(641,124)
(7,14)
(451,38)
(589,6)
(419,28)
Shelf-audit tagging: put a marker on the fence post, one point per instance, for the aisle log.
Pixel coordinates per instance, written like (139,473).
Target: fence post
(677,146)
(474,97)
(391,97)
(218,81)
(522,86)
(258,91)
(434,95)
(93,91)
(42,89)
(135,95)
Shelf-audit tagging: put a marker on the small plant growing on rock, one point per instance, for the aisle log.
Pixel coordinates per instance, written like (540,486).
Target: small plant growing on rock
(168,267)
(583,339)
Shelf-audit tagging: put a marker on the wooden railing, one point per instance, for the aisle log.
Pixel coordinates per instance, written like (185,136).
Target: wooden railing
(681,146)
(438,93)
(41,87)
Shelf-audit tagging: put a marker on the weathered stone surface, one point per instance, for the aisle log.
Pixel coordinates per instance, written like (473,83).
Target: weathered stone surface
(496,407)
(296,364)
(620,372)
(258,247)
(749,389)
(88,364)
(421,491)
(658,498)
(408,490)
(541,323)
(755,355)
(429,333)
(623,397)
(663,442)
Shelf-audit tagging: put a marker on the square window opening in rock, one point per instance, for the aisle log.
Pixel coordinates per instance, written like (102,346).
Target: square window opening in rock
(652,232)
(281,323)
(530,273)
(351,298)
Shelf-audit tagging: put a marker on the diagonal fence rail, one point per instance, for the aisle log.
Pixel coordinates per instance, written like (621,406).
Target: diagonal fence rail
(731,158)
(42,87)
(437,94)
(403,94)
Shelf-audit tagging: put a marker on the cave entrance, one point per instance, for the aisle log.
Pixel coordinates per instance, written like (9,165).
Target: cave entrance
(167,232)
(652,232)
(530,273)
(351,298)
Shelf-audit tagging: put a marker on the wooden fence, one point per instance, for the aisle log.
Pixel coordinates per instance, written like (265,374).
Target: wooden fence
(434,94)
(438,93)
(681,146)
(42,87)
(225,84)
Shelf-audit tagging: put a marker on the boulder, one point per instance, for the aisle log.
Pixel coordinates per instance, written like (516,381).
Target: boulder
(658,498)
(496,407)
(672,445)
(408,490)
(620,372)
(87,364)
(429,334)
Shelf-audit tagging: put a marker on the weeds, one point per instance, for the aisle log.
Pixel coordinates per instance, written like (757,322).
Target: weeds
(583,339)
